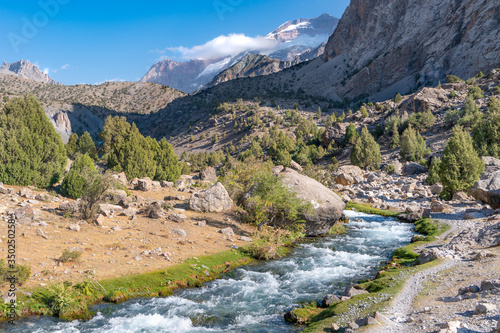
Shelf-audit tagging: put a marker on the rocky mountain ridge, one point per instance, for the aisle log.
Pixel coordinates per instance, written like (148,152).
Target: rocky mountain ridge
(298,40)
(26,70)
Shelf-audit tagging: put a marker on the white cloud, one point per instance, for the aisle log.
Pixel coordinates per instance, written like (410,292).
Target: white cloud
(66,66)
(46,71)
(224,46)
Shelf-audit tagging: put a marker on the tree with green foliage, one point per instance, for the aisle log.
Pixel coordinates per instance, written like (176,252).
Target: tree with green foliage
(318,113)
(167,162)
(73,185)
(471,116)
(133,154)
(351,134)
(366,152)
(395,135)
(475,92)
(486,134)
(364,112)
(31,151)
(72,145)
(398,98)
(86,145)
(274,204)
(461,166)
(114,131)
(434,168)
(422,120)
(413,147)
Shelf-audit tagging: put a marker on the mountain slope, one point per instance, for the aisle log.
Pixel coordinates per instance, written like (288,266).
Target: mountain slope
(298,40)
(26,70)
(381,48)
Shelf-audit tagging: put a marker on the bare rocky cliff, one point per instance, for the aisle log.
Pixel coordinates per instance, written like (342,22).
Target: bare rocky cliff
(26,70)
(399,44)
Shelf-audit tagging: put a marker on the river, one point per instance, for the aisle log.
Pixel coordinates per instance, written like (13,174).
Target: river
(252,298)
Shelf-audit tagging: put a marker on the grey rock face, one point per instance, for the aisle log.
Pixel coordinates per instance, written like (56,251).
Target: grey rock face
(487,189)
(215,199)
(208,175)
(327,205)
(144,184)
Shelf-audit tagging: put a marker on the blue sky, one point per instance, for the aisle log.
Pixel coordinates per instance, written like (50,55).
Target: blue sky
(95,41)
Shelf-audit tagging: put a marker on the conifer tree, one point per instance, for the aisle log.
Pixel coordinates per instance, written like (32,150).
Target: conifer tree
(461,165)
(366,152)
(395,135)
(86,145)
(351,135)
(413,147)
(72,145)
(73,185)
(167,162)
(31,152)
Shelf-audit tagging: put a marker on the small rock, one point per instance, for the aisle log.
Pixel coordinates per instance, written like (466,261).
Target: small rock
(99,220)
(484,308)
(245,239)
(329,300)
(372,321)
(116,228)
(74,227)
(177,217)
(180,232)
(144,184)
(164,183)
(25,193)
(202,223)
(335,327)
(295,166)
(382,319)
(353,326)
(460,196)
(227,232)
(351,291)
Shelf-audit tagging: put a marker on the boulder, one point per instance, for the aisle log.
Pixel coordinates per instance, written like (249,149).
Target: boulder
(412,216)
(436,189)
(327,205)
(439,207)
(164,183)
(227,232)
(334,133)
(155,212)
(329,300)
(130,212)
(428,255)
(116,195)
(121,178)
(144,184)
(156,184)
(184,181)
(109,210)
(208,175)
(349,175)
(99,220)
(487,189)
(411,169)
(43,197)
(427,98)
(176,217)
(485,308)
(215,199)
(24,215)
(398,167)
(179,232)
(351,291)
(72,207)
(74,227)
(277,169)
(4,190)
(25,193)
(296,166)
(460,196)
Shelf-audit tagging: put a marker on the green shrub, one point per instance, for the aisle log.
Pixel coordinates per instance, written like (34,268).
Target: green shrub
(167,162)
(366,152)
(389,169)
(453,93)
(73,185)
(87,146)
(452,116)
(453,79)
(422,120)
(69,255)
(351,134)
(31,151)
(496,90)
(395,136)
(22,272)
(364,112)
(475,92)
(72,145)
(398,98)
(470,115)
(486,134)
(413,147)
(434,168)
(461,165)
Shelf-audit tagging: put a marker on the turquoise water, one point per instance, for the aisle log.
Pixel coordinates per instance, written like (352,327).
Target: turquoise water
(251,298)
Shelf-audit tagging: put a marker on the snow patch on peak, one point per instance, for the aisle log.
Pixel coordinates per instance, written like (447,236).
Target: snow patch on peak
(214,69)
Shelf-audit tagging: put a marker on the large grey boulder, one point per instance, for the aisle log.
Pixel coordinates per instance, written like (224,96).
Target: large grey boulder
(487,189)
(327,205)
(215,199)
(411,169)
(334,133)
(208,175)
(144,184)
(348,175)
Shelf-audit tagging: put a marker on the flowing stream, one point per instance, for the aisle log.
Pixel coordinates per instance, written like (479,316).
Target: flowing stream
(252,298)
